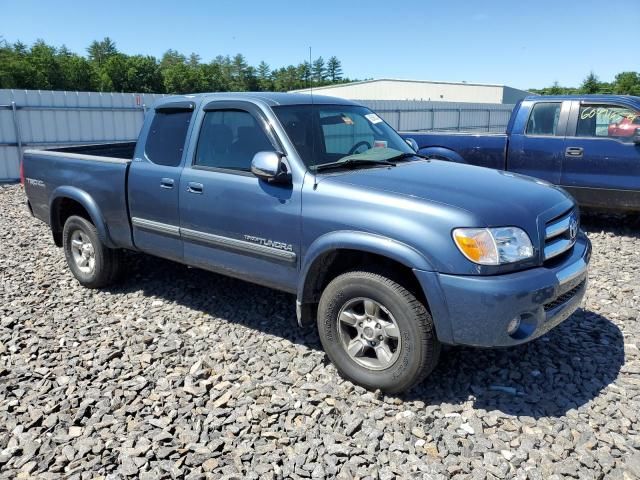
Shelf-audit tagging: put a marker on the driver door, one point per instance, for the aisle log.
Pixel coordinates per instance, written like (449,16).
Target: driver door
(230,220)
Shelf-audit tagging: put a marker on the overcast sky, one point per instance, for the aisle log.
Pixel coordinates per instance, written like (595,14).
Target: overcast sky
(524,44)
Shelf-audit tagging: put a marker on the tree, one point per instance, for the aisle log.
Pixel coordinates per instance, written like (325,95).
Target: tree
(264,77)
(318,71)
(170,58)
(334,69)
(627,83)
(77,73)
(104,68)
(143,75)
(591,84)
(99,52)
(304,74)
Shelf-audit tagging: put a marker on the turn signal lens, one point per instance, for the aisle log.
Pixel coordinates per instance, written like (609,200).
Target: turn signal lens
(493,246)
(477,245)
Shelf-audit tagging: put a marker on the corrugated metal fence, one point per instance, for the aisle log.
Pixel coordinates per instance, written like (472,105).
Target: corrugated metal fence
(409,115)
(33,118)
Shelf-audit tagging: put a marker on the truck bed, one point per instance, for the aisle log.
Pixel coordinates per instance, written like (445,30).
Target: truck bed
(96,173)
(485,150)
(123,150)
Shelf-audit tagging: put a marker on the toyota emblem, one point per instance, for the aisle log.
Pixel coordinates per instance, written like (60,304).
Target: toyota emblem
(573,227)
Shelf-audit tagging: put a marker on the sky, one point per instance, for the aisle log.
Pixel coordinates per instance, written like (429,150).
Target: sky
(523,44)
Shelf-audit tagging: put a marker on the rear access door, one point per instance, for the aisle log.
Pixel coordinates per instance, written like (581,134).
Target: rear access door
(601,165)
(536,144)
(154,181)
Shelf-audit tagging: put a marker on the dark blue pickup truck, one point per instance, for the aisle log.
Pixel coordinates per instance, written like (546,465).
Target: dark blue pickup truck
(589,145)
(388,253)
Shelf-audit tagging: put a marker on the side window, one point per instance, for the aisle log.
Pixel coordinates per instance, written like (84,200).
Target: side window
(343,132)
(611,121)
(544,119)
(167,136)
(229,139)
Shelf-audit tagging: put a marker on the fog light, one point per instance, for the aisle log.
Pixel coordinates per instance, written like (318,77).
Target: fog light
(514,325)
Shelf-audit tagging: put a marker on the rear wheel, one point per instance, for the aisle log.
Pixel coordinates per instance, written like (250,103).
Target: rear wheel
(91,262)
(376,332)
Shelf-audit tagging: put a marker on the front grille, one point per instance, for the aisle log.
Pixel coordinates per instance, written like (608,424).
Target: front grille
(564,298)
(560,234)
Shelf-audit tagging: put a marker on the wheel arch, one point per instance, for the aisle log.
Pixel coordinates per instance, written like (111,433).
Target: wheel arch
(443,153)
(67,201)
(339,252)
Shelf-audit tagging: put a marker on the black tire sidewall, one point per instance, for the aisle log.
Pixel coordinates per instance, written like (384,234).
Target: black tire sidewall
(94,278)
(408,367)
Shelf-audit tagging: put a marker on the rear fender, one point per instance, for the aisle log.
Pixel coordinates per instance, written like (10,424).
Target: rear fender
(87,202)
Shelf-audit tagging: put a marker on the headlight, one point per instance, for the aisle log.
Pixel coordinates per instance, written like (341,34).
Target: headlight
(493,246)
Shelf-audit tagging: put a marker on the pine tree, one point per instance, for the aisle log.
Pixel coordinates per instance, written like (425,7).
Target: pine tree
(591,84)
(99,52)
(334,69)
(318,70)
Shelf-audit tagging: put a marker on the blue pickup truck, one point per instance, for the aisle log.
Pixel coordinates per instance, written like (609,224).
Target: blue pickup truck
(589,145)
(390,254)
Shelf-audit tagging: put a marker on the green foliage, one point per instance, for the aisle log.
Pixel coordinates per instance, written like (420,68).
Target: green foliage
(625,83)
(104,69)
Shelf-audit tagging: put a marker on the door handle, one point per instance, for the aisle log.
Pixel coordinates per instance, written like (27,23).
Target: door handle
(194,187)
(573,152)
(166,182)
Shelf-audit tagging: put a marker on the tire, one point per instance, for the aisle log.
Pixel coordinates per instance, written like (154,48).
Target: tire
(416,349)
(93,264)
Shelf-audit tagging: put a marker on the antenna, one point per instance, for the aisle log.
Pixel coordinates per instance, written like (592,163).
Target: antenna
(310,79)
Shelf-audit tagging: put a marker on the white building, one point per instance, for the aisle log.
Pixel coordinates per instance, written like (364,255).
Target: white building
(392,89)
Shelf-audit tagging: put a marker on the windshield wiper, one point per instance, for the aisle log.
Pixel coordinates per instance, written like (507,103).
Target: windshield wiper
(404,156)
(353,162)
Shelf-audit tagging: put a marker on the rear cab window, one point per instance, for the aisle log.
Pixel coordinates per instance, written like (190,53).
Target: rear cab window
(167,136)
(544,119)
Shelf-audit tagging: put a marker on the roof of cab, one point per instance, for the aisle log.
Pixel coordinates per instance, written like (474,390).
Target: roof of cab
(270,98)
(593,98)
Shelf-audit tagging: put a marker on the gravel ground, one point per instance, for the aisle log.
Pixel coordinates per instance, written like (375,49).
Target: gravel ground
(183,373)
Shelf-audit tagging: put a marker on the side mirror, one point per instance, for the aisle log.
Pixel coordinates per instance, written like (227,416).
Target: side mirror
(636,137)
(270,167)
(412,143)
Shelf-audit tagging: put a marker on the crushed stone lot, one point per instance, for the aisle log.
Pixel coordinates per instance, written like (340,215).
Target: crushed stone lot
(183,373)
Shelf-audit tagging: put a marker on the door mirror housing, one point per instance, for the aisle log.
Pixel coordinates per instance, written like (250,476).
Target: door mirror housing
(271,167)
(413,144)
(636,136)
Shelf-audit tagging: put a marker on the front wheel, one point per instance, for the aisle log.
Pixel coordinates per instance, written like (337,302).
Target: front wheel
(376,332)
(91,262)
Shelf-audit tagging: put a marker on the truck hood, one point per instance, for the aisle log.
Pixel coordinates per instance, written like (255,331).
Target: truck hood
(493,197)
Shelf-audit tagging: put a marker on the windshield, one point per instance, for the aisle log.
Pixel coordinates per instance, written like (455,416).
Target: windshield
(324,134)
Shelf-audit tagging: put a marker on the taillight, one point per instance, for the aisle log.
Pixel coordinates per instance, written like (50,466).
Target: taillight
(22,172)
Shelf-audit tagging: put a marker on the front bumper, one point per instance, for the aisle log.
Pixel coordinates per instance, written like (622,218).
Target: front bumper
(477,310)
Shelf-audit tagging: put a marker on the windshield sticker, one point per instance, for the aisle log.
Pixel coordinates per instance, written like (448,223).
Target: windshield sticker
(347,120)
(379,144)
(373,118)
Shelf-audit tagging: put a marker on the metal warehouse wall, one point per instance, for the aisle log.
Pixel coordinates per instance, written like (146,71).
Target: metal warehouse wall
(34,118)
(38,119)
(407,115)
(422,90)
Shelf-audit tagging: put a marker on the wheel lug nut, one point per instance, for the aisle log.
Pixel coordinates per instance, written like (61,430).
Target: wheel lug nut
(377,325)
(360,324)
(380,337)
(373,344)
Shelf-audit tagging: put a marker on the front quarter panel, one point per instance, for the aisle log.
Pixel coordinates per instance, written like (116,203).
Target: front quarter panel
(409,230)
